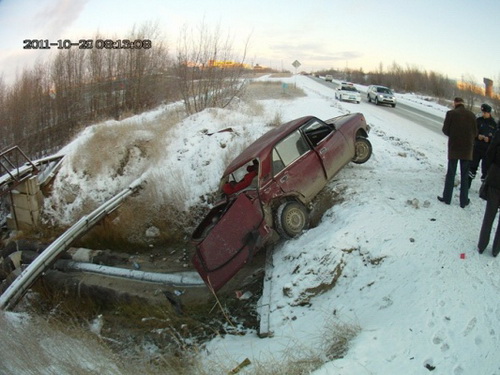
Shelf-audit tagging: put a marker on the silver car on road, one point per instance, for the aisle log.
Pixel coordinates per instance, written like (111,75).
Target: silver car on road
(381,95)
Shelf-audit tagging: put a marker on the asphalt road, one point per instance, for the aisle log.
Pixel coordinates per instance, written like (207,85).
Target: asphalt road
(425,119)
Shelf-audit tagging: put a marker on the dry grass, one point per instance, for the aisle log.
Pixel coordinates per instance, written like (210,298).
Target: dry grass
(34,346)
(264,90)
(300,358)
(113,146)
(337,338)
(31,345)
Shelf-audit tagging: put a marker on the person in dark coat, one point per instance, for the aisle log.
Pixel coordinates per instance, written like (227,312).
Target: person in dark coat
(460,127)
(486,128)
(493,197)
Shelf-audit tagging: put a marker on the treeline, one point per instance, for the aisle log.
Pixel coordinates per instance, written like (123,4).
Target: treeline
(409,79)
(49,103)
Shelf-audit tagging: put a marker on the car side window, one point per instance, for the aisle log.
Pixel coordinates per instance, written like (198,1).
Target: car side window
(316,131)
(288,150)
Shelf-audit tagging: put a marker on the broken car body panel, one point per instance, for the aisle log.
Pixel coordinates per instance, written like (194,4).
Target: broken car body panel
(230,241)
(295,161)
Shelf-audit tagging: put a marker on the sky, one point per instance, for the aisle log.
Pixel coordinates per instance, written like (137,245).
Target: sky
(413,288)
(454,38)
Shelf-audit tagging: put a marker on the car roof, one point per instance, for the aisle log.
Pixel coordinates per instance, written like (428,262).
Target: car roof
(262,147)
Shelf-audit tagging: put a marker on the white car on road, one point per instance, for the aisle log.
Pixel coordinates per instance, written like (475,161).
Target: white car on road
(348,92)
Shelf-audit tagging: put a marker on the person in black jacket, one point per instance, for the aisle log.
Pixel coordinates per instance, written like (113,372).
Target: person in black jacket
(460,127)
(486,127)
(493,197)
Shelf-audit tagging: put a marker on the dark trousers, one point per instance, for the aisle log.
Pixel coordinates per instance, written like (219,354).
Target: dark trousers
(478,156)
(492,204)
(450,181)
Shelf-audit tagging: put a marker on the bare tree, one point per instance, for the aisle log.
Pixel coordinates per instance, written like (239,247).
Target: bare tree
(4,127)
(208,72)
(144,67)
(469,90)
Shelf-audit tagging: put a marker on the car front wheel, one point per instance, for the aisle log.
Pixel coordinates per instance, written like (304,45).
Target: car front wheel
(363,150)
(291,218)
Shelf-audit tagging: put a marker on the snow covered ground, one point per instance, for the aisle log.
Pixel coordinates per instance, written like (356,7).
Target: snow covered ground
(410,280)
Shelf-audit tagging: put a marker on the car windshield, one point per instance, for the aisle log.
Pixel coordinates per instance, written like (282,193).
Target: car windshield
(384,90)
(348,88)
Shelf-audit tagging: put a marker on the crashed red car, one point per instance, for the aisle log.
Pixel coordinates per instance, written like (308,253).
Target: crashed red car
(266,189)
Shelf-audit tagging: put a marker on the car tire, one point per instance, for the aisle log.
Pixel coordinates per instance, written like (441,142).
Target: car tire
(394,106)
(376,101)
(362,150)
(291,218)
(369,99)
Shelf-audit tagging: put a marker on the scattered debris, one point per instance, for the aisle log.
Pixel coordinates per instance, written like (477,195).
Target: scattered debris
(415,203)
(243,364)
(174,300)
(205,131)
(430,367)
(96,325)
(152,232)
(243,296)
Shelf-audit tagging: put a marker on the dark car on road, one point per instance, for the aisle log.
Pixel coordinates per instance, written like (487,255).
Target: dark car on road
(265,191)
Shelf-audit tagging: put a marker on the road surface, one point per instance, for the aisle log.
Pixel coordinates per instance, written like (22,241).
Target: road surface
(425,119)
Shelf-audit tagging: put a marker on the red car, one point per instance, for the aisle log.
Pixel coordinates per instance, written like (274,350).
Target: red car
(266,189)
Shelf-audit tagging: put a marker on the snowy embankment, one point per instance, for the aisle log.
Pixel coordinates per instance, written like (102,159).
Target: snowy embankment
(419,303)
(410,278)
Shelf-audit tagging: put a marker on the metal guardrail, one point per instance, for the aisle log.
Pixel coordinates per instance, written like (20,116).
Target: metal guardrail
(15,167)
(12,173)
(13,294)
(185,279)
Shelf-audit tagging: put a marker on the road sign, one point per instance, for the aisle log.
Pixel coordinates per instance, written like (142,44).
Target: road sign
(296,64)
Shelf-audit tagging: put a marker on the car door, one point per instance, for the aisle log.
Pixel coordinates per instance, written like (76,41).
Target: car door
(296,168)
(329,144)
(227,239)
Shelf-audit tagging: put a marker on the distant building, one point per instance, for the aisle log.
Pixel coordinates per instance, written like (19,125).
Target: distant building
(487,90)
(488,87)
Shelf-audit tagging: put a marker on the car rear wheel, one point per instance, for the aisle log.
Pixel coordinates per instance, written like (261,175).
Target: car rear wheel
(291,218)
(363,150)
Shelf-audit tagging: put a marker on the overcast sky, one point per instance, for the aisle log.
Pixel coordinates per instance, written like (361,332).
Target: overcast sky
(456,38)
